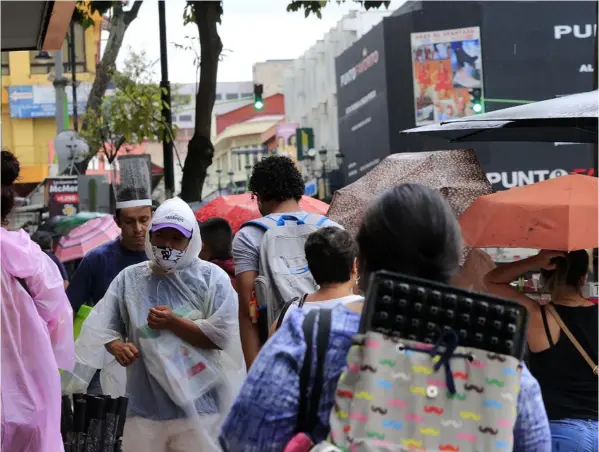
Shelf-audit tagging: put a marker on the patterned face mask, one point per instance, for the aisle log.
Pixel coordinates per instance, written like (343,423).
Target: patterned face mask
(166,258)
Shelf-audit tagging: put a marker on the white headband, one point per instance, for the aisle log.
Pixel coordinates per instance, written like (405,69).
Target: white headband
(134,203)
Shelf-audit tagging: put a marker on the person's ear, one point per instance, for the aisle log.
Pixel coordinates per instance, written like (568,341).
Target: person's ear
(355,274)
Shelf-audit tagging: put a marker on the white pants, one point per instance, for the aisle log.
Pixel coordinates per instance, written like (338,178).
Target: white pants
(181,435)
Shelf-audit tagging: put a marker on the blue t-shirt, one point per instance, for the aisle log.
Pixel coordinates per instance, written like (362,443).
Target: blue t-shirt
(97,270)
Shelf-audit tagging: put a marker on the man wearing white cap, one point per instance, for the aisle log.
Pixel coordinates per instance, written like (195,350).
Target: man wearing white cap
(173,323)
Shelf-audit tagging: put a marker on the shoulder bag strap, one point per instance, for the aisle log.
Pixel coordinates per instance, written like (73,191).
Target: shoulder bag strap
(24,285)
(284,311)
(308,407)
(568,333)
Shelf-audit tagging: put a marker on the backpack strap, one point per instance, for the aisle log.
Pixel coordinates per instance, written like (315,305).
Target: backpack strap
(307,417)
(302,300)
(269,221)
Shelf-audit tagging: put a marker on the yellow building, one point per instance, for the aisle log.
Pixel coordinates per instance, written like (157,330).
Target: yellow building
(28,136)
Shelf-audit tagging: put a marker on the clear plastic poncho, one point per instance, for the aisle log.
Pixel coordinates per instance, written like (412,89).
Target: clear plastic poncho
(177,393)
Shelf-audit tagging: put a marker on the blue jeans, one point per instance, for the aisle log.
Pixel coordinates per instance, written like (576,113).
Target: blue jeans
(574,435)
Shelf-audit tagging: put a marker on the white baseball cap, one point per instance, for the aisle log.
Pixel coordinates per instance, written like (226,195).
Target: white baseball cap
(174,213)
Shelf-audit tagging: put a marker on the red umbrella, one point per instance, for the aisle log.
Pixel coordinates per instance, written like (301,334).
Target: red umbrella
(238,209)
(86,237)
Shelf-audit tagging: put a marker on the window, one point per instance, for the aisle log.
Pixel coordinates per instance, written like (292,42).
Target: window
(232,96)
(245,95)
(5,65)
(46,65)
(185,118)
(219,96)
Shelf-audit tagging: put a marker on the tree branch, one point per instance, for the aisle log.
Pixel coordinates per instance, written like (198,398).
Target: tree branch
(132,13)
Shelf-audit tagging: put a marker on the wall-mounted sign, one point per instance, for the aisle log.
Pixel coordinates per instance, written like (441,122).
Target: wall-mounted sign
(62,196)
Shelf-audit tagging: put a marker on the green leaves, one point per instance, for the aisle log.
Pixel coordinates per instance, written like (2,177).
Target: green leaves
(316,7)
(134,111)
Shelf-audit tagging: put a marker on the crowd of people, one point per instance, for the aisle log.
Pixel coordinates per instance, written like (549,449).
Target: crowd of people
(211,359)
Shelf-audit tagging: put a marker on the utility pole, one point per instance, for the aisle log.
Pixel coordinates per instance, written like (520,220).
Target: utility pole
(73,73)
(165,85)
(59,85)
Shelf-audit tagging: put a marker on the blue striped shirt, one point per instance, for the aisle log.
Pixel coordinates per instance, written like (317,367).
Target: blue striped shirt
(263,418)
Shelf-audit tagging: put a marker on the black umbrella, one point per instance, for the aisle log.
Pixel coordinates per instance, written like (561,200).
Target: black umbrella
(567,119)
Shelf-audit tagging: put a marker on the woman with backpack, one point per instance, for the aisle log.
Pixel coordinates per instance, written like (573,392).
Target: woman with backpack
(566,367)
(37,335)
(332,259)
(409,230)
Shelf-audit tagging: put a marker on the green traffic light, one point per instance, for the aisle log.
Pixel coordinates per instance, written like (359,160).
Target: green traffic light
(477,108)
(258,104)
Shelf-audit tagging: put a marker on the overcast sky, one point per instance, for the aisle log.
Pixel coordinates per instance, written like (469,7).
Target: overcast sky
(251,31)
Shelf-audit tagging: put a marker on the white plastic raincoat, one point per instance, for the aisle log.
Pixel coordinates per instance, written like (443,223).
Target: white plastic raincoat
(178,394)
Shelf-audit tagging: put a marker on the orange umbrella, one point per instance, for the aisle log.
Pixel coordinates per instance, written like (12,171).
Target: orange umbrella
(558,214)
(238,209)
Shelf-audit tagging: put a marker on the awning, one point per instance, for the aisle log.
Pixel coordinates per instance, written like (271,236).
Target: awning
(34,25)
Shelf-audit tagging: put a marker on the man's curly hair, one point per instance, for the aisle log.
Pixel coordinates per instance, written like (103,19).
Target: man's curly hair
(276,178)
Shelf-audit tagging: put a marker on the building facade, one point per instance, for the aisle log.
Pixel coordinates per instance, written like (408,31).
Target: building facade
(309,85)
(28,99)
(270,74)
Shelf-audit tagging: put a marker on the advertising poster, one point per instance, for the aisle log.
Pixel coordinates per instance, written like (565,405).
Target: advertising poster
(445,65)
(286,141)
(62,195)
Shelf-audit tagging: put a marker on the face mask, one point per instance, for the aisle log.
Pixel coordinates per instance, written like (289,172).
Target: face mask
(167,258)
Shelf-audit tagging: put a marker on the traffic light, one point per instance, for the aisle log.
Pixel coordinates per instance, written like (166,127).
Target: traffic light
(258,102)
(476,100)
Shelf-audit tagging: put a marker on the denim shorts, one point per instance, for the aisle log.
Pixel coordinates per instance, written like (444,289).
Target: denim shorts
(574,435)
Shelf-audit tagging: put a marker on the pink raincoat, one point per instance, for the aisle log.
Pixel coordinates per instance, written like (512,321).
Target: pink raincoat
(37,340)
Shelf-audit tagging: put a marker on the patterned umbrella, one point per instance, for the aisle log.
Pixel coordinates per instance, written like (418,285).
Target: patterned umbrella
(456,174)
(238,209)
(86,237)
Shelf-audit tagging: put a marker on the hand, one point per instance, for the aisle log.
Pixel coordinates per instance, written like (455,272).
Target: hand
(160,317)
(125,352)
(545,256)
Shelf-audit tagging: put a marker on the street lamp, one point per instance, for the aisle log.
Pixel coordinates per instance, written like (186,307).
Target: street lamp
(231,174)
(323,158)
(339,157)
(219,173)
(248,173)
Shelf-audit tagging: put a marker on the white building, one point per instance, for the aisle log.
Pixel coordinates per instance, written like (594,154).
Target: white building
(310,86)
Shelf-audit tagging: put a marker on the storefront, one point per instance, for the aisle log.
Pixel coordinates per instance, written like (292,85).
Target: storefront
(431,53)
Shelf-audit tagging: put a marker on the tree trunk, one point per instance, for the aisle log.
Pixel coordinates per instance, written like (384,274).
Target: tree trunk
(200,149)
(119,23)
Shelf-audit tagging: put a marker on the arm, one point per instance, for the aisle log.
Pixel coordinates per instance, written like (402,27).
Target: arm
(247,265)
(190,333)
(498,280)
(531,431)
(46,288)
(248,331)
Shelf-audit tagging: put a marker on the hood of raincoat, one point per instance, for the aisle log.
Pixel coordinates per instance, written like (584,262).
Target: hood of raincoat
(20,254)
(171,208)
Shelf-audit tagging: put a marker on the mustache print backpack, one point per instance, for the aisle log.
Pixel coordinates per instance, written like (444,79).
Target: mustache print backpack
(434,368)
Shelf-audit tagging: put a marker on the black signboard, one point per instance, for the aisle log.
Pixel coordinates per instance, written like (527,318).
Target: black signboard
(362,104)
(529,51)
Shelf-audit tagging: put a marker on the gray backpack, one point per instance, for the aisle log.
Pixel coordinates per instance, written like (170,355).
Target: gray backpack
(284,272)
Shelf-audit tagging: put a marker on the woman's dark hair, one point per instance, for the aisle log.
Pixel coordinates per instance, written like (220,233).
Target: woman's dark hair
(218,235)
(331,253)
(276,178)
(412,230)
(568,273)
(10,173)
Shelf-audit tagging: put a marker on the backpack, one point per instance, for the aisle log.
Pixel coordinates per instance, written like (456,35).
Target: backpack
(410,385)
(284,272)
